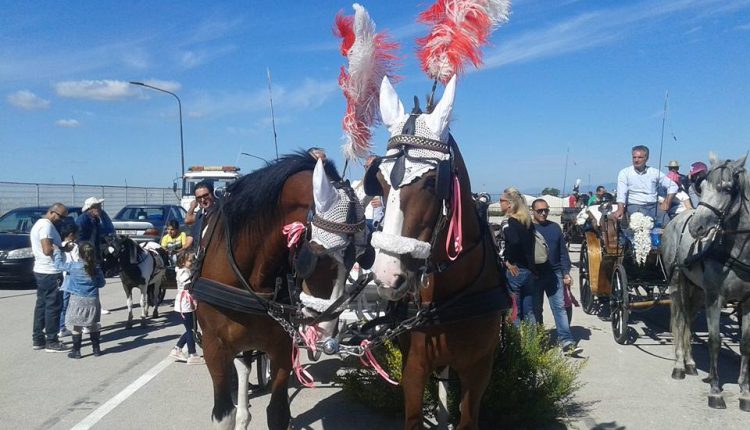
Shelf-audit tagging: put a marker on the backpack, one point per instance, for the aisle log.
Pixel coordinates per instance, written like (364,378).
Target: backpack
(541,249)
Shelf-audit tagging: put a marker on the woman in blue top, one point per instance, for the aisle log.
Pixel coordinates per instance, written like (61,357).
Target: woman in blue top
(83,281)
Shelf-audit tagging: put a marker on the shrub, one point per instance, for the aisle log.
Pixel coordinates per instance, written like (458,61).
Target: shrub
(532,383)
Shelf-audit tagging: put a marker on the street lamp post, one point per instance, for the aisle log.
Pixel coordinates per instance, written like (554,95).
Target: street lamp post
(179,106)
(254,156)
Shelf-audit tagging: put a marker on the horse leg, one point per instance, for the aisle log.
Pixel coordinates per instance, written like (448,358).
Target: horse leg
(693,301)
(713,311)
(415,375)
(129,302)
(243,403)
(678,313)
(156,294)
(144,305)
(743,381)
(474,380)
(278,414)
(219,363)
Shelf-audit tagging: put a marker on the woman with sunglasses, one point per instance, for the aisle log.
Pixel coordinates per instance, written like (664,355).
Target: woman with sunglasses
(518,253)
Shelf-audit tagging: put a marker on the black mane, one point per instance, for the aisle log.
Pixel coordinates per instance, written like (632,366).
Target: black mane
(255,196)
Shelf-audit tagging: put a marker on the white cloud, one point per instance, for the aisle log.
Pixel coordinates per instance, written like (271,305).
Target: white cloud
(743,27)
(67,123)
(104,90)
(597,28)
(311,94)
(193,58)
(164,85)
(26,100)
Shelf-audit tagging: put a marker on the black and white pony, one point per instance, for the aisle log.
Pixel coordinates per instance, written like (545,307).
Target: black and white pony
(712,266)
(142,267)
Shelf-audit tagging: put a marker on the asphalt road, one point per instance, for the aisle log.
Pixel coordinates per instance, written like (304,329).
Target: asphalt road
(134,385)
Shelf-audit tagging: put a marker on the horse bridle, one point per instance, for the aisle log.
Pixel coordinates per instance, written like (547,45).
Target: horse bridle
(734,193)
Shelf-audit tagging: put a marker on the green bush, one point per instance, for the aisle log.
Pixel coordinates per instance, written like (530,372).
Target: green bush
(532,383)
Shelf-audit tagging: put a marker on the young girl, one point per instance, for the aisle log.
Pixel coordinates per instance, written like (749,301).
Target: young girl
(84,309)
(185,305)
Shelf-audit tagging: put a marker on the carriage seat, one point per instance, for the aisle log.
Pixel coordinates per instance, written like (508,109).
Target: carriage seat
(608,234)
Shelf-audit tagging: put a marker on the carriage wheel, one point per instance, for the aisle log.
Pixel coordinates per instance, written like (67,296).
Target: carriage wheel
(587,297)
(619,304)
(263,370)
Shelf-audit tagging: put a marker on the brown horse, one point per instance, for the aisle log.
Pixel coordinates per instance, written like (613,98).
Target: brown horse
(245,274)
(436,251)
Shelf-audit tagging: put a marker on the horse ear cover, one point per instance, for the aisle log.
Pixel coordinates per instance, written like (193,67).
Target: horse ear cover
(391,108)
(324,193)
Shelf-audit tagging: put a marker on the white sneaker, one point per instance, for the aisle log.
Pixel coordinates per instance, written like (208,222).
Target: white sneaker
(195,359)
(64,333)
(177,354)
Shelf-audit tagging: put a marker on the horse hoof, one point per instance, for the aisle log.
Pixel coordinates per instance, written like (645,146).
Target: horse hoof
(155,314)
(678,374)
(716,402)
(143,324)
(691,370)
(745,404)
(128,325)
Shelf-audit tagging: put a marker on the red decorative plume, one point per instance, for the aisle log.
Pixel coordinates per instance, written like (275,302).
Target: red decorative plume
(371,57)
(459,29)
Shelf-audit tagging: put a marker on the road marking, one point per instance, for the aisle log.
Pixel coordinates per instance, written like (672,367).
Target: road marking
(120,397)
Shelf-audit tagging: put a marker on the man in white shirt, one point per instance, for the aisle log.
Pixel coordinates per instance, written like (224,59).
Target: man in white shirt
(44,238)
(637,188)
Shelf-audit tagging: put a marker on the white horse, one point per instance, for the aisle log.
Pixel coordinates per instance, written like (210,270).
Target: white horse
(140,268)
(717,263)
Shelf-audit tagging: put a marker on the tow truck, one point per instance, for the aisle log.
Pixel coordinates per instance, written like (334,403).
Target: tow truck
(219,176)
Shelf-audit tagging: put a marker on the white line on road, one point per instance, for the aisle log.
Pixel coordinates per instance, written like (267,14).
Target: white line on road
(115,401)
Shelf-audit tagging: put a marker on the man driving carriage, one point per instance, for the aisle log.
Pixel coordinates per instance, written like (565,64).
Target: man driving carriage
(637,189)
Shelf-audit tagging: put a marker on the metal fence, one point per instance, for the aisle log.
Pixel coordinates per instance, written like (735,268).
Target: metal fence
(19,194)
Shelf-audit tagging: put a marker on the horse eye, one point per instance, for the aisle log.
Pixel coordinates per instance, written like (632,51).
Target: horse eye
(429,182)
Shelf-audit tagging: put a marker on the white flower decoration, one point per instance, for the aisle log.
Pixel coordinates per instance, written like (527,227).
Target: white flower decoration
(641,226)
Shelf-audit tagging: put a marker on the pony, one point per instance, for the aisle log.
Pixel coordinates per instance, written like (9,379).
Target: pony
(713,269)
(140,268)
(436,251)
(250,279)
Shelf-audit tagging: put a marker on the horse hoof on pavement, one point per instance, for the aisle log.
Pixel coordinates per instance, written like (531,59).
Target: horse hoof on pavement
(678,374)
(716,402)
(129,325)
(745,404)
(155,314)
(143,323)
(691,370)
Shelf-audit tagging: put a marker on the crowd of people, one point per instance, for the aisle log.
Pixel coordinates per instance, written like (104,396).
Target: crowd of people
(68,261)
(640,188)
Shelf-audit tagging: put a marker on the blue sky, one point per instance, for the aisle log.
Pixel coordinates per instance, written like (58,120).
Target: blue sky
(588,77)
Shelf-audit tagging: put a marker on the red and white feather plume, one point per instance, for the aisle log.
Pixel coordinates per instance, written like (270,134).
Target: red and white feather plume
(371,56)
(459,29)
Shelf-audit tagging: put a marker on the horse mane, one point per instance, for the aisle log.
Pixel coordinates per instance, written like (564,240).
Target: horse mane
(255,196)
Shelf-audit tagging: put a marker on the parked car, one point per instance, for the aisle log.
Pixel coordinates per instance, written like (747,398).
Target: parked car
(147,222)
(16,258)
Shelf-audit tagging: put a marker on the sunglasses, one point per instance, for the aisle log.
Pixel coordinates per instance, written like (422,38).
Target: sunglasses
(542,211)
(58,214)
(203,196)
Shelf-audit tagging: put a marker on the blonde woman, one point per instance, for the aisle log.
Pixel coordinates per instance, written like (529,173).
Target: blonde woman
(518,253)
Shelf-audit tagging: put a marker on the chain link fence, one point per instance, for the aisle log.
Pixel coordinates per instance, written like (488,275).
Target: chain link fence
(20,194)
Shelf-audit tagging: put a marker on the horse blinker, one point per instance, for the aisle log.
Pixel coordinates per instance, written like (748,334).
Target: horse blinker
(306,261)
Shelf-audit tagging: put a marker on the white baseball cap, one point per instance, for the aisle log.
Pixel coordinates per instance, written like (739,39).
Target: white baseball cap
(91,201)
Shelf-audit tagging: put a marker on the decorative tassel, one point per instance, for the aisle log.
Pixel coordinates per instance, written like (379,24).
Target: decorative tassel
(460,29)
(371,57)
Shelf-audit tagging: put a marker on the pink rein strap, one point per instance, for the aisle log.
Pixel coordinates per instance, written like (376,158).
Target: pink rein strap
(368,360)
(455,231)
(310,337)
(293,232)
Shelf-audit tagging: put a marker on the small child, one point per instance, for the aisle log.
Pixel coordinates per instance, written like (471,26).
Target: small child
(83,281)
(185,305)
(69,234)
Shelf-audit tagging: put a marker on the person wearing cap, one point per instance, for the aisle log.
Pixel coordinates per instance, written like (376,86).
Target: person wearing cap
(637,188)
(698,172)
(681,201)
(94,225)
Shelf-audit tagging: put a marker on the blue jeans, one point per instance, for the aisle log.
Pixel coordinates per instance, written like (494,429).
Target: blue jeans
(47,308)
(65,299)
(551,282)
(187,337)
(522,288)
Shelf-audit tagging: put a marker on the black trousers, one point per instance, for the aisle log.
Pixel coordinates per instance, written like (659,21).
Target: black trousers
(48,307)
